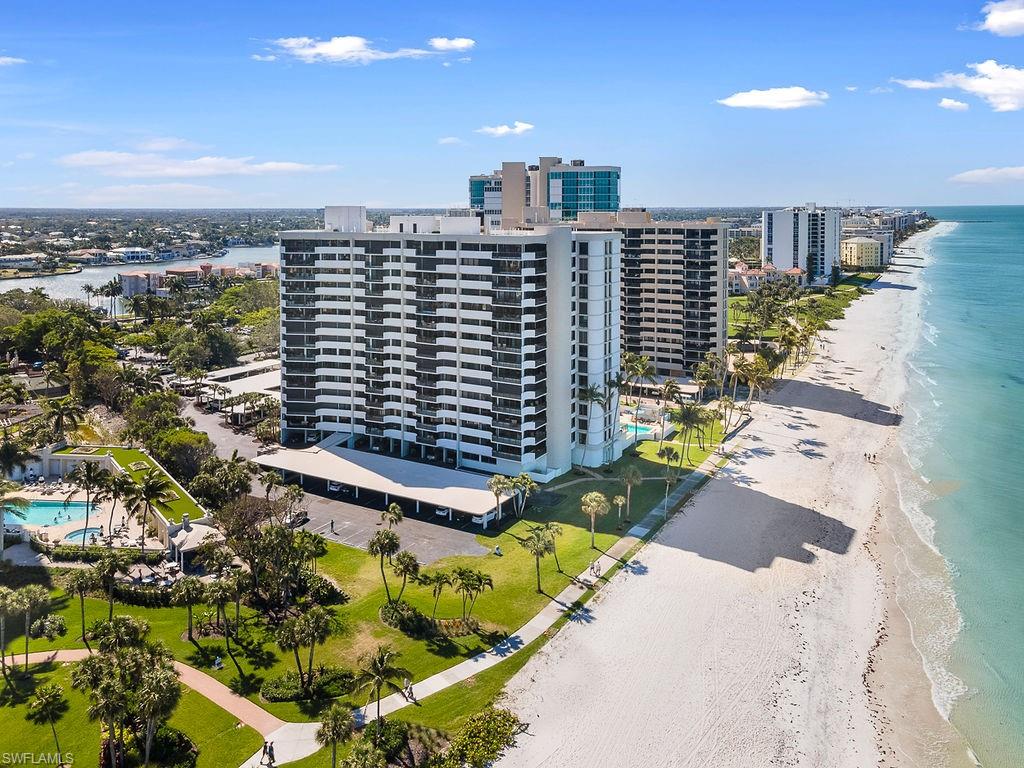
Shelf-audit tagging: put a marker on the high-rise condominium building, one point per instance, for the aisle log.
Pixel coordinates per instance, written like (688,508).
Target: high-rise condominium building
(548,191)
(806,238)
(435,341)
(674,287)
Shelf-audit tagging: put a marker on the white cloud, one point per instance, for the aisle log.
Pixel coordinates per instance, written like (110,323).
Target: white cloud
(450,140)
(152,165)
(10,61)
(792,97)
(880,89)
(1004,18)
(954,105)
(262,57)
(25,156)
(1000,85)
(347,49)
(518,128)
(990,175)
(851,88)
(165,143)
(451,43)
(918,85)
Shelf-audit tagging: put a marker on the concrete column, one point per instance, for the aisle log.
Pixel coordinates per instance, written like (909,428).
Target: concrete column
(559,351)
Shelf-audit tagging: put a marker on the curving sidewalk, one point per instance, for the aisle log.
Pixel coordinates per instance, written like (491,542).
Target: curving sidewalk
(294,741)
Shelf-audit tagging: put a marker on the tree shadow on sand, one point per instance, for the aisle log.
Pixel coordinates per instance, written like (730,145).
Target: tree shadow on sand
(809,396)
(751,529)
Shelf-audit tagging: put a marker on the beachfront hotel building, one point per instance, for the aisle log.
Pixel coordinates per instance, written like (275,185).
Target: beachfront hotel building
(440,341)
(861,253)
(674,287)
(805,237)
(549,190)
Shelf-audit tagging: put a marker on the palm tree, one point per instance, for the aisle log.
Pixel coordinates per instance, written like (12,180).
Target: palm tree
(189,592)
(688,417)
(552,530)
(384,543)
(590,396)
(12,454)
(379,670)
(315,626)
(12,392)
(539,545)
(643,372)
(288,638)
(631,477)
(33,598)
(670,392)
(10,505)
(407,566)
(81,582)
(89,290)
(618,501)
(48,706)
(107,568)
(120,487)
(91,478)
(152,488)
(594,505)
(336,727)
(437,581)
(157,697)
(270,480)
(62,416)
(220,593)
(499,485)
(393,515)
(670,455)
(53,374)
(8,607)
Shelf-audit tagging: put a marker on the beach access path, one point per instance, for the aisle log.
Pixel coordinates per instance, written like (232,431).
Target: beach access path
(742,634)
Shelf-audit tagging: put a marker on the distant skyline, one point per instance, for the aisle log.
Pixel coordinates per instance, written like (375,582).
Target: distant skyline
(395,105)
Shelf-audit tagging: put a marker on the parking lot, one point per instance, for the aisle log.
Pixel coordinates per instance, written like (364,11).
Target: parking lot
(355,524)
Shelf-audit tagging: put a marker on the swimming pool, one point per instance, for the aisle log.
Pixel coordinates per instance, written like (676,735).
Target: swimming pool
(642,430)
(82,533)
(43,512)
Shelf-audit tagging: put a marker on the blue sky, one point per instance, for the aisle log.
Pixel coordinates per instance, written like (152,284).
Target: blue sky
(301,104)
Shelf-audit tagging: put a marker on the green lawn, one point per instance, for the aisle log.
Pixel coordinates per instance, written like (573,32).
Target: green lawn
(222,741)
(213,730)
(504,610)
(831,307)
(125,457)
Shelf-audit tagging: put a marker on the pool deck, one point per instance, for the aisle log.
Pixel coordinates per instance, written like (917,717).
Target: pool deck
(56,533)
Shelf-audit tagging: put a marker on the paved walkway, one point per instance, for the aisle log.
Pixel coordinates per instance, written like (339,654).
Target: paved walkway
(294,741)
(247,712)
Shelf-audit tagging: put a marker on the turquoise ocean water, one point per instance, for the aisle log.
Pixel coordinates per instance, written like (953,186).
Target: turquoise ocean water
(964,434)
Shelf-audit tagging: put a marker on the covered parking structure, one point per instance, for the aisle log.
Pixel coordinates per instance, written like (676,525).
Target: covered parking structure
(449,492)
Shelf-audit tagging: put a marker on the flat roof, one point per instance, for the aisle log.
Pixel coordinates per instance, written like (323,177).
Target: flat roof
(462,491)
(254,366)
(268,383)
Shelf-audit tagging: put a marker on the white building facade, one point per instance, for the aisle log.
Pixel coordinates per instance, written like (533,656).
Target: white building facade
(804,238)
(438,342)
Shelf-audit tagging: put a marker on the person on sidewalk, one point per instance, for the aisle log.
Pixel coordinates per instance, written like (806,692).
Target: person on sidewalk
(270,753)
(263,757)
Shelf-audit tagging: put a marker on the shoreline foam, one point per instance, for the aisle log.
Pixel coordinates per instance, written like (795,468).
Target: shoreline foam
(763,628)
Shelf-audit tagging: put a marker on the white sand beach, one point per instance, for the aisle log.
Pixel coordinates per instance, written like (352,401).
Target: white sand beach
(760,627)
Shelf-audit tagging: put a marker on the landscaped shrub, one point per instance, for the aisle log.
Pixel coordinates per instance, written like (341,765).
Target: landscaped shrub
(328,683)
(173,749)
(405,618)
(146,596)
(322,591)
(73,553)
(393,735)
